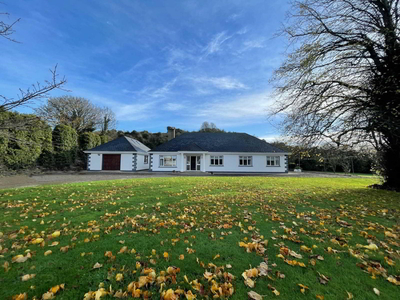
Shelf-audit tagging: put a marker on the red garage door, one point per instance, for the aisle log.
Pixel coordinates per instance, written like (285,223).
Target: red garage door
(111,161)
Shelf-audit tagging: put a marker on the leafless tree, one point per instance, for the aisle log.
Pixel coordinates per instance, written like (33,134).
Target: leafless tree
(108,120)
(340,80)
(209,127)
(77,112)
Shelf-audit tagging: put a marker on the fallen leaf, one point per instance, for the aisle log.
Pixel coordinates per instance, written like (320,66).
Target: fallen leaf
(254,296)
(27,277)
(97,266)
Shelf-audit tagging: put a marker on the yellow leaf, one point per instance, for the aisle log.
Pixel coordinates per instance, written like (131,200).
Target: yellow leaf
(48,296)
(320,297)
(372,247)
(23,296)
(349,295)
(55,234)
(37,241)
(48,252)
(216,256)
(181,257)
(190,296)
(166,255)
(119,277)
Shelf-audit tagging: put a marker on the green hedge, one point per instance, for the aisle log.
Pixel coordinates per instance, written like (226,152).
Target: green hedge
(89,140)
(22,146)
(65,144)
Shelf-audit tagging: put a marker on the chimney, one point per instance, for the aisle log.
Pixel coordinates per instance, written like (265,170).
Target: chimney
(170,132)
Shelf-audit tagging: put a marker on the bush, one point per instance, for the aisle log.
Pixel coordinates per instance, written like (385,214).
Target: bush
(88,140)
(27,142)
(65,143)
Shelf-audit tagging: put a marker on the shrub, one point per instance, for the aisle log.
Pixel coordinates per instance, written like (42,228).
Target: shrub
(65,143)
(27,142)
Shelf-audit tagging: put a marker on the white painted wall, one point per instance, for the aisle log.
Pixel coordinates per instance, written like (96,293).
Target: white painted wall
(231,163)
(96,162)
(127,162)
(156,163)
(140,165)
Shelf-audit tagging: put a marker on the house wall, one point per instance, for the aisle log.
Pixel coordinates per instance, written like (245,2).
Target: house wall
(140,165)
(127,162)
(231,163)
(95,162)
(156,163)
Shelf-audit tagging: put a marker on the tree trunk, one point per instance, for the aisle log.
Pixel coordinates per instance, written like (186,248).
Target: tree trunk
(391,165)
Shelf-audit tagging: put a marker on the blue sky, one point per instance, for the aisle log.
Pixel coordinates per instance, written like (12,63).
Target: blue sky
(155,63)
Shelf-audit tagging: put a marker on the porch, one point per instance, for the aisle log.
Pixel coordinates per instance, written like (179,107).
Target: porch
(193,161)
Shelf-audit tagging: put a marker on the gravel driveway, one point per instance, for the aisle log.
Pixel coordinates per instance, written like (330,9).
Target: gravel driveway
(16,181)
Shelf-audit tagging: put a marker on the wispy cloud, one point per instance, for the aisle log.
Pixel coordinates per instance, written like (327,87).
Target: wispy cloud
(173,106)
(223,83)
(246,108)
(252,44)
(136,111)
(215,44)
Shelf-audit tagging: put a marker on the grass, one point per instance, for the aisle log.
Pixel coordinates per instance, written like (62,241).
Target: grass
(210,216)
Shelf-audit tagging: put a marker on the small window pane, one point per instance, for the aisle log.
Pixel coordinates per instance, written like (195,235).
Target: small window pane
(220,161)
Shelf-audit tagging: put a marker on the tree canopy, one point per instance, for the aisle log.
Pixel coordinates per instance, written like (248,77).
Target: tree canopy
(340,81)
(77,112)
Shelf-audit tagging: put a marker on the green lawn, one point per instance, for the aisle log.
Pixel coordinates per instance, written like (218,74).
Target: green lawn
(326,221)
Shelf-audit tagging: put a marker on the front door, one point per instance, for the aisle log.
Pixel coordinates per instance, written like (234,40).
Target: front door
(193,163)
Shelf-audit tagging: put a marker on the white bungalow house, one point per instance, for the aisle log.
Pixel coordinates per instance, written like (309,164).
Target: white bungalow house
(217,152)
(124,154)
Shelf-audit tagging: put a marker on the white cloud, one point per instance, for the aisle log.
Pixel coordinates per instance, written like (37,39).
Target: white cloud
(271,138)
(252,44)
(247,109)
(215,44)
(164,90)
(135,112)
(173,106)
(242,31)
(223,83)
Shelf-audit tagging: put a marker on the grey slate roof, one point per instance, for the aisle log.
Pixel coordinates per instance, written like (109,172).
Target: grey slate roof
(122,144)
(217,142)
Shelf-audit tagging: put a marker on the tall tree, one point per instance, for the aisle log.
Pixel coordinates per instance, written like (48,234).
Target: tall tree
(77,112)
(341,81)
(209,127)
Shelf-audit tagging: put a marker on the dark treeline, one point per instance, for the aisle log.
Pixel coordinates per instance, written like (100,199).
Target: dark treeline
(328,158)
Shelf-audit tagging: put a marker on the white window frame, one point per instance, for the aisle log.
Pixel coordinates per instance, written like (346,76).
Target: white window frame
(273,161)
(216,161)
(173,159)
(245,158)
(146,160)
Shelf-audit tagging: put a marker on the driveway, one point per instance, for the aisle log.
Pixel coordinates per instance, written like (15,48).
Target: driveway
(17,181)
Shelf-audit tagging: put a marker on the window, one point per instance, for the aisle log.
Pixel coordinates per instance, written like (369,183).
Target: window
(216,161)
(273,161)
(245,161)
(146,159)
(167,160)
